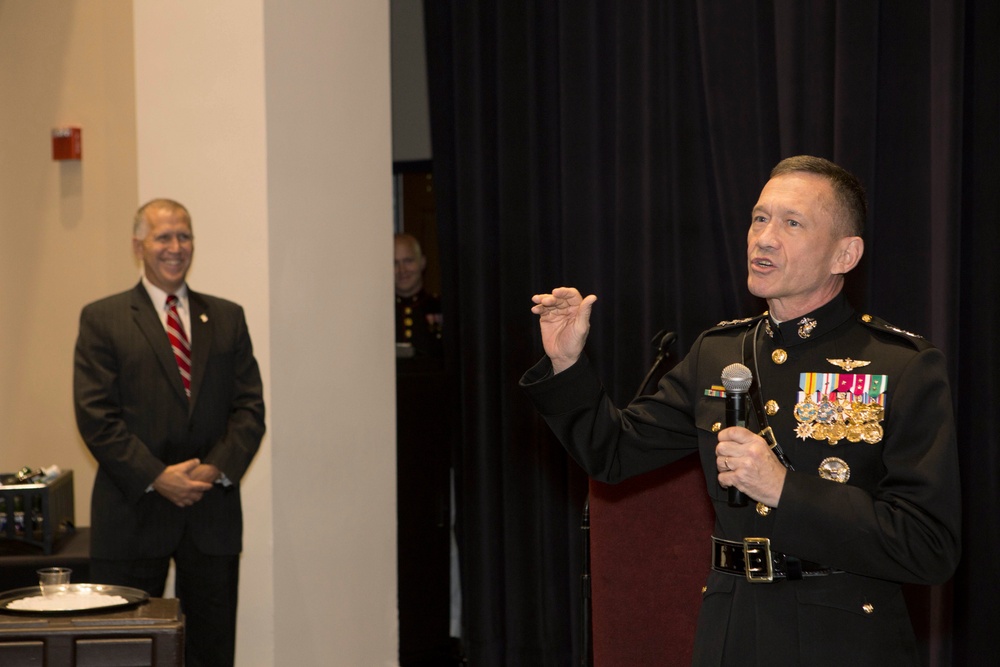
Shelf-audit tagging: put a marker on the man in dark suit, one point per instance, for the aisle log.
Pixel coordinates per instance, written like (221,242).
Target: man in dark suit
(168,399)
(848,460)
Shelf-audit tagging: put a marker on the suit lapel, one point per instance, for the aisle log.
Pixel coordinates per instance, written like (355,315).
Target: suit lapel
(148,320)
(201,341)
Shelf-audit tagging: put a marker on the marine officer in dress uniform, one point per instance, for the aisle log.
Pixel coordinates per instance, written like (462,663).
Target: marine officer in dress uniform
(849,459)
(418,313)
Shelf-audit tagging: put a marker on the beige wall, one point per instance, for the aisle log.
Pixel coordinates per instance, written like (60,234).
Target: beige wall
(65,226)
(270,120)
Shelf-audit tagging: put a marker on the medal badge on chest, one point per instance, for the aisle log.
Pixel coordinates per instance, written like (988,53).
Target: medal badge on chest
(833,407)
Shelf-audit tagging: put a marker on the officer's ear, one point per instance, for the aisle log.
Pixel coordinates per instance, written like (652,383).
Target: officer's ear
(848,254)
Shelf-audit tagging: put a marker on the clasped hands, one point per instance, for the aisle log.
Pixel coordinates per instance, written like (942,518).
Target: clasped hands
(185,483)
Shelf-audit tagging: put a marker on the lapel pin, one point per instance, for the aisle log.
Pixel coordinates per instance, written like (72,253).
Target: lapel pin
(204,317)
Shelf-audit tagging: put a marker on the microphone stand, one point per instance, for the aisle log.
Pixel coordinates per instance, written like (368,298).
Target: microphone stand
(587,655)
(661,341)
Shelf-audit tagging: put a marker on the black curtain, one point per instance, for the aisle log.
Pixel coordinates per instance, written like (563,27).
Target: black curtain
(618,147)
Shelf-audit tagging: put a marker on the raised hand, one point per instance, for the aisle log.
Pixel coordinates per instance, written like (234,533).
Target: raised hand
(564,317)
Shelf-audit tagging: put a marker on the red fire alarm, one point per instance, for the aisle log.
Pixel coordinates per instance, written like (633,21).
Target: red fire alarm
(66,144)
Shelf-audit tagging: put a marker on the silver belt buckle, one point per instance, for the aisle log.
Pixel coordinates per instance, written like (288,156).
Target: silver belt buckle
(757,560)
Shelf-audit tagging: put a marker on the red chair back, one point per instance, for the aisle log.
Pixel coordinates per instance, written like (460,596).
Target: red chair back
(649,549)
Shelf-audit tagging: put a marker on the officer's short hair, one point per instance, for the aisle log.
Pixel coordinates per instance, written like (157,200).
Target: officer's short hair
(846,187)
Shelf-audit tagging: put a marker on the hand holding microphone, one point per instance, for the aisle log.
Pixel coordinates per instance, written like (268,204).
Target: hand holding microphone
(736,378)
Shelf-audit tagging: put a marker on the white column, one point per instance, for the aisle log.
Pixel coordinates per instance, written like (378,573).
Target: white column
(270,120)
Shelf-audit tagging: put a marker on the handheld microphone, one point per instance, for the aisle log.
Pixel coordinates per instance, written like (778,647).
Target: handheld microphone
(737,378)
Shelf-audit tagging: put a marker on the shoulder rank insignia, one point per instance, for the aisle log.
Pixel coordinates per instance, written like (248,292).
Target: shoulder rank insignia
(848,364)
(868,319)
(745,320)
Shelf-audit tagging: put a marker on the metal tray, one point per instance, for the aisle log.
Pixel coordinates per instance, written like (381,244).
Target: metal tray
(133,597)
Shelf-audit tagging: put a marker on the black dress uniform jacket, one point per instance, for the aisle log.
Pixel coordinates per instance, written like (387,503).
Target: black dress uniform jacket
(418,323)
(895,520)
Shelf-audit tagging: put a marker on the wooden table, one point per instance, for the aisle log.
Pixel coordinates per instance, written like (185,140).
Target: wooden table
(150,634)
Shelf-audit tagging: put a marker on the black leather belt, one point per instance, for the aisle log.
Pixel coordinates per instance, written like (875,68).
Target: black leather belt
(754,559)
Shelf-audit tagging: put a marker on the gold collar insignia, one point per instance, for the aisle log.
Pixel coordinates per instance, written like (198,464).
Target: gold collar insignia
(806,326)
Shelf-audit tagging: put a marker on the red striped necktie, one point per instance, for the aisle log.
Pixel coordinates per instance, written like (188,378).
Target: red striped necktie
(179,341)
